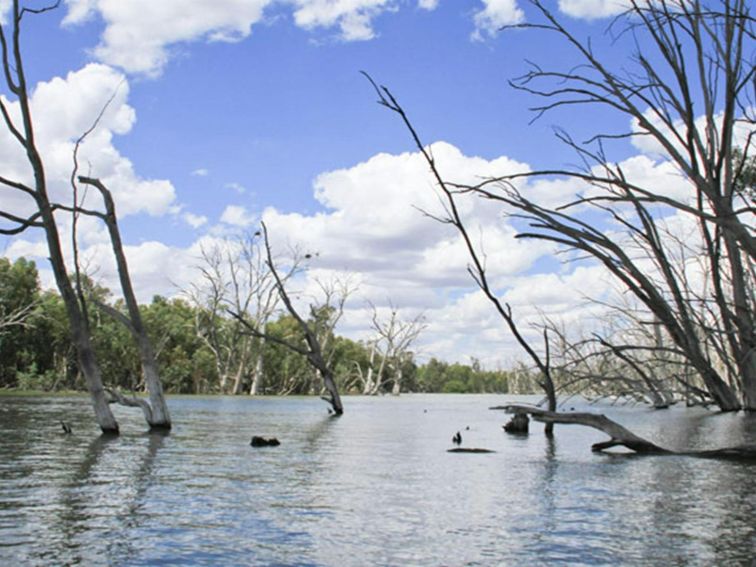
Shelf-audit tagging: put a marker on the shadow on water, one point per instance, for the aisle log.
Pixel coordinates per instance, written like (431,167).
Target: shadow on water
(96,504)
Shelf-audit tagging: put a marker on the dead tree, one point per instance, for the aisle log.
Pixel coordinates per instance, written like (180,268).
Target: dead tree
(22,130)
(476,268)
(621,436)
(156,412)
(394,337)
(313,352)
(235,276)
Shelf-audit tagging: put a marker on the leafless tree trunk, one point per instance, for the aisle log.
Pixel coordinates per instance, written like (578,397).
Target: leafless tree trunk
(396,336)
(158,416)
(43,217)
(621,436)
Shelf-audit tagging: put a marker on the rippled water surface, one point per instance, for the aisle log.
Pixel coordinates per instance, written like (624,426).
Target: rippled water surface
(374,487)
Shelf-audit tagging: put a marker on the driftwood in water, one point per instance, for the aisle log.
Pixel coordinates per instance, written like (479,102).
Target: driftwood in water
(469,450)
(519,423)
(620,436)
(258,441)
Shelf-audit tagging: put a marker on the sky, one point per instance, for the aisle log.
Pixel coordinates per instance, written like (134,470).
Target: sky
(227,112)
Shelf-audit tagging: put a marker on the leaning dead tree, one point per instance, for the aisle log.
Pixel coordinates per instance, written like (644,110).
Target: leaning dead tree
(620,436)
(313,351)
(19,124)
(156,410)
(477,267)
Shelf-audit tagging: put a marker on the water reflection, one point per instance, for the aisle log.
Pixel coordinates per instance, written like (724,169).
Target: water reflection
(375,486)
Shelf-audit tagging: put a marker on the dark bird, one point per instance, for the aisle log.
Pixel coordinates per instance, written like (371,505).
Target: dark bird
(457,439)
(66,428)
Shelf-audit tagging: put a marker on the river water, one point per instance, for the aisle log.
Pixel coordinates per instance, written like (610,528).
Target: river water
(374,487)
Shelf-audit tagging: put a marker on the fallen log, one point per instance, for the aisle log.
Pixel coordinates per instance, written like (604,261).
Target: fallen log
(469,450)
(620,436)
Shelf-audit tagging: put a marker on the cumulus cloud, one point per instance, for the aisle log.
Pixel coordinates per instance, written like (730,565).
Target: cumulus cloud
(370,227)
(201,172)
(427,4)
(353,17)
(139,33)
(494,15)
(592,9)
(65,108)
(237,215)
(195,221)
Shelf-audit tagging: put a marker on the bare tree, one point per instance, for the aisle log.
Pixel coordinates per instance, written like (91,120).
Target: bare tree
(156,410)
(393,341)
(689,88)
(22,131)
(235,276)
(313,350)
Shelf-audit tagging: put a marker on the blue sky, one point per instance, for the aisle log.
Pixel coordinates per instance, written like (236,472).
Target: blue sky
(205,137)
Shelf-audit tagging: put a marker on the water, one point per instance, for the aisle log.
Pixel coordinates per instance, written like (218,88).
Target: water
(374,487)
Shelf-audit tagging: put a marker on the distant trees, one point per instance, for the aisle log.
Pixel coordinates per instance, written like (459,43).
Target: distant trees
(687,257)
(393,338)
(234,276)
(39,355)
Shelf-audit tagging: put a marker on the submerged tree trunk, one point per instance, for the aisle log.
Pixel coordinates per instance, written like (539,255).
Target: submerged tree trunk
(158,418)
(620,436)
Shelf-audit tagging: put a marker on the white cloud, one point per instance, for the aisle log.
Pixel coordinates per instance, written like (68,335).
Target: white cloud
(201,172)
(369,227)
(195,221)
(427,4)
(237,215)
(65,108)
(494,15)
(353,17)
(238,187)
(592,9)
(139,33)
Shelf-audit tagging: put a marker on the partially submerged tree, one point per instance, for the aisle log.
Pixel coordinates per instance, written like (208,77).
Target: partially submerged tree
(313,350)
(620,436)
(20,125)
(156,410)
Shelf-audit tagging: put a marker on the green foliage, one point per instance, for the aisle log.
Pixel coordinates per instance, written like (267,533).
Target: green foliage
(39,355)
(438,376)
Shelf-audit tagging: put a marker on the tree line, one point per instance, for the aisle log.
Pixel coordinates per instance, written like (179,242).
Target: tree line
(37,353)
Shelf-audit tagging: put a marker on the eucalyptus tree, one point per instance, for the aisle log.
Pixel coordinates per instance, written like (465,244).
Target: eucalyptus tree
(234,276)
(394,337)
